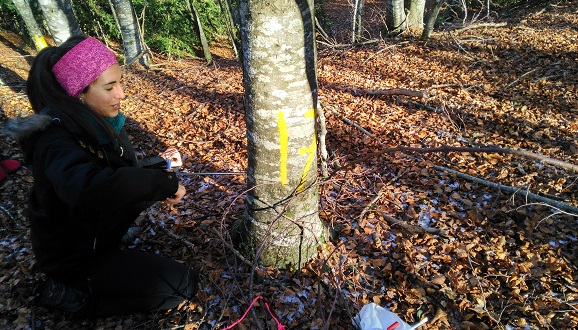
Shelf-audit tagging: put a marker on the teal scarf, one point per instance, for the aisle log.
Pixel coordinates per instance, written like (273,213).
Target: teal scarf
(116,122)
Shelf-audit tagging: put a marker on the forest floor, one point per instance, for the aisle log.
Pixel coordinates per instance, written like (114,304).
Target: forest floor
(492,250)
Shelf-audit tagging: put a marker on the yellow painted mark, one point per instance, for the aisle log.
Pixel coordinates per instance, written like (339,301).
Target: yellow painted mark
(310,150)
(284,145)
(40,42)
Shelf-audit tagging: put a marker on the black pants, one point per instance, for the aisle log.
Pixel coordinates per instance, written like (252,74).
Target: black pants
(128,282)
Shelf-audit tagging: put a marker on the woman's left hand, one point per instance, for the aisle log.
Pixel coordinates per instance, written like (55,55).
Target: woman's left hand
(177,196)
(174,156)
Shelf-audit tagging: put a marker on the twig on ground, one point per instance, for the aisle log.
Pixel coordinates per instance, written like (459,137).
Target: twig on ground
(235,252)
(520,152)
(347,120)
(513,190)
(463,49)
(520,77)
(407,226)
(393,91)
(384,49)
(482,25)
(171,233)
(456,85)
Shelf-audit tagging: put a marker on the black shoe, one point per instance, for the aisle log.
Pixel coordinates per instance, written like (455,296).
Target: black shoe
(59,296)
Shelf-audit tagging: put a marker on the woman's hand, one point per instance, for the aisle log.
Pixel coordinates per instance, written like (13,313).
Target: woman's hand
(174,156)
(177,196)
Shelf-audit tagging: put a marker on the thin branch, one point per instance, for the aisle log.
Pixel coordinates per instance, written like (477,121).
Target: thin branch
(407,226)
(235,252)
(520,152)
(455,85)
(481,25)
(393,91)
(513,190)
(383,49)
(462,48)
(347,120)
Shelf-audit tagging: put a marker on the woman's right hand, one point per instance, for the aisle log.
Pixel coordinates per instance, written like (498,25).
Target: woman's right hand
(177,196)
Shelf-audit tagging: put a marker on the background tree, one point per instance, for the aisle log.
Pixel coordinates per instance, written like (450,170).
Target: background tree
(35,32)
(395,15)
(279,70)
(132,41)
(357,30)
(431,19)
(59,17)
(198,28)
(416,13)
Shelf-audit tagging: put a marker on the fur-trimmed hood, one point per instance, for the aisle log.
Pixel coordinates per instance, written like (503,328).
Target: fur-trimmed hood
(21,128)
(26,129)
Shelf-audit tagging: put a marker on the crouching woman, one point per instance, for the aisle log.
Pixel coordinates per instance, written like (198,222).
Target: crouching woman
(89,188)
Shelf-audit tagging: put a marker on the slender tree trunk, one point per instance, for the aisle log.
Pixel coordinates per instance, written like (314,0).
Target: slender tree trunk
(59,16)
(34,31)
(357,31)
(395,15)
(431,20)
(133,47)
(416,11)
(200,31)
(279,74)
(231,27)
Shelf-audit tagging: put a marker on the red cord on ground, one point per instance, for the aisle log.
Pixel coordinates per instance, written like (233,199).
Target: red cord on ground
(279,325)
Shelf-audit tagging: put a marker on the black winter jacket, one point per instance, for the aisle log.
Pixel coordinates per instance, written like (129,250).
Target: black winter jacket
(85,195)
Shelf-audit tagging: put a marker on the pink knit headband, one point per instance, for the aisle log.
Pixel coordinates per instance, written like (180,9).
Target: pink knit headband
(81,65)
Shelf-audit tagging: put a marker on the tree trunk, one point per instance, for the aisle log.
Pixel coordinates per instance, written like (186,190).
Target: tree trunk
(282,224)
(133,47)
(357,30)
(200,32)
(60,19)
(395,15)
(231,27)
(34,30)
(416,11)
(431,20)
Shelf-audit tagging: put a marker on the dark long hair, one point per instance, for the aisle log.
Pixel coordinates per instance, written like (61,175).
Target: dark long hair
(43,91)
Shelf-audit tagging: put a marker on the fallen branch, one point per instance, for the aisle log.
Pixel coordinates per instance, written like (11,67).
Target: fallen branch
(347,120)
(520,152)
(405,225)
(513,190)
(456,85)
(462,48)
(393,91)
(170,232)
(481,25)
(323,33)
(520,77)
(340,46)
(383,49)
(235,252)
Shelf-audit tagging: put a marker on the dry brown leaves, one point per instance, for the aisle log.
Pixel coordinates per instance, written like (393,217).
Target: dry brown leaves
(406,235)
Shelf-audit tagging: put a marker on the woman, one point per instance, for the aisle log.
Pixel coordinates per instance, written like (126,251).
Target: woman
(89,188)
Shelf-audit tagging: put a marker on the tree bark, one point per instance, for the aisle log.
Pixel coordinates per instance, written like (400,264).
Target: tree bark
(227,12)
(281,224)
(431,19)
(395,15)
(200,32)
(34,30)
(415,16)
(357,30)
(59,16)
(133,47)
